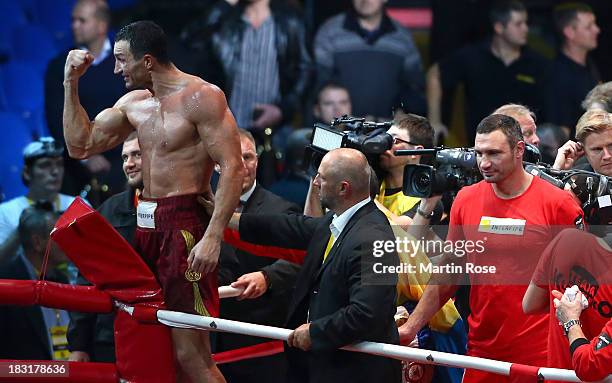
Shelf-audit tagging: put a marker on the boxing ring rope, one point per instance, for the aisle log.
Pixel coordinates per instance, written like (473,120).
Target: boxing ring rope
(24,290)
(183,320)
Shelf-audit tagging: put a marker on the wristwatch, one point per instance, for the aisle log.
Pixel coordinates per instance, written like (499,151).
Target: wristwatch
(567,325)
(424,214)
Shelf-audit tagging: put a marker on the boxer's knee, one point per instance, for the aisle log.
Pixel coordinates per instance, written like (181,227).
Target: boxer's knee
(188,349)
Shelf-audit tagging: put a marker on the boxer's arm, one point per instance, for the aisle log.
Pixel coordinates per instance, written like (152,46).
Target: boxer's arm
(217,129)
(84,137)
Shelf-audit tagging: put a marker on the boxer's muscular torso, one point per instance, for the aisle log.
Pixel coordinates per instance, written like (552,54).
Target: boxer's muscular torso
(175,160)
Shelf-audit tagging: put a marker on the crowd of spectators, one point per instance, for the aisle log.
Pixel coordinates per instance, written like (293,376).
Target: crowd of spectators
(272,59)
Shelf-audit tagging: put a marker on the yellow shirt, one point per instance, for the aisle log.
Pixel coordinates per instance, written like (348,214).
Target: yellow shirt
(397,203)
(410,286)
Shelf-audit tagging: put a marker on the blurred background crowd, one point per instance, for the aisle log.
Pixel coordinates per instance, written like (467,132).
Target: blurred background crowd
(312,60)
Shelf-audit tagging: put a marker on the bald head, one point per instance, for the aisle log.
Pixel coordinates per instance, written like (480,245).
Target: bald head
(344,179)
(352,166)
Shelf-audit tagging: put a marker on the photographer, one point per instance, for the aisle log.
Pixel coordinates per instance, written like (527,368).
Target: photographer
(510,212)
(445,329)
(594,141)
(408,132)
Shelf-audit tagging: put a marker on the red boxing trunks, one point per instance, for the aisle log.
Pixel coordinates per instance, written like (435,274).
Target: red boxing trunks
(168,228)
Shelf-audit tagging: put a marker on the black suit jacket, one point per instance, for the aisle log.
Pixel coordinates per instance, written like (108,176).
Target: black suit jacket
(269,309)
(333,297)
(23,329)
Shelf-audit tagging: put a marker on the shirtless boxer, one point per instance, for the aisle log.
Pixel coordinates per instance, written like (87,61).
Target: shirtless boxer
(184,127)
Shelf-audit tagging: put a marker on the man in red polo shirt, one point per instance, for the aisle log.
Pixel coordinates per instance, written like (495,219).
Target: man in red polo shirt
(511,216)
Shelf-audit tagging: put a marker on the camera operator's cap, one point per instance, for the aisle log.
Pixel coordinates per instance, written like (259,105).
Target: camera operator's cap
(591,121)
(43,147)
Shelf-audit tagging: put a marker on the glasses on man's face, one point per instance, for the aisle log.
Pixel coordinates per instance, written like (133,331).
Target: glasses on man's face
(397,141)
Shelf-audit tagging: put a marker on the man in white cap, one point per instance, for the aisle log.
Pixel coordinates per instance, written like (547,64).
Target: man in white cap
(43,172)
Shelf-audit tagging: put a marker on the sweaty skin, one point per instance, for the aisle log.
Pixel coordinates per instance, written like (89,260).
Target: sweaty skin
(176,160)
(184,127)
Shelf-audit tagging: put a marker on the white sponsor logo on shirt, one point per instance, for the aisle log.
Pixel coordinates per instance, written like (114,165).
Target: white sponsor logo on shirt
(505,226)
(145,214)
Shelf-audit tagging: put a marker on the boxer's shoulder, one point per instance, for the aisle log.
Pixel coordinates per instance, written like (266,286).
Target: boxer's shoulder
(133,97)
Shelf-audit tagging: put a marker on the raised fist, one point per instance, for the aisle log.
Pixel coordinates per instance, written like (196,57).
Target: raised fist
(77,63)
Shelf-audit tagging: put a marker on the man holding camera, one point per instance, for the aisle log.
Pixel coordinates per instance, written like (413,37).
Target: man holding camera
(410,131)
(509,213)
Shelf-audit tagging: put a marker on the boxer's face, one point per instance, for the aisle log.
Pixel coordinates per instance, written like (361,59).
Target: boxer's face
(132,70)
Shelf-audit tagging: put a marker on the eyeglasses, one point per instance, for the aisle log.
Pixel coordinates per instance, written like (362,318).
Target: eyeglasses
(400,141)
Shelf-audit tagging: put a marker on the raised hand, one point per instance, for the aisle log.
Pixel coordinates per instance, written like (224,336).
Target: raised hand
(77,63)
(568,154)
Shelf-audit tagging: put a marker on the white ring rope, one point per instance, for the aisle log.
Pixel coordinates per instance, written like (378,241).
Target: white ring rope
(183,320)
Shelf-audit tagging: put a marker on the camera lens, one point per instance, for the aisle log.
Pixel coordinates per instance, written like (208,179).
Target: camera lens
(422,182)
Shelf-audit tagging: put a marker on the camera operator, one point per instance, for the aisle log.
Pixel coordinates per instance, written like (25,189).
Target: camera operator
(409,132)
(594,141)
(510,212)
(415,215)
